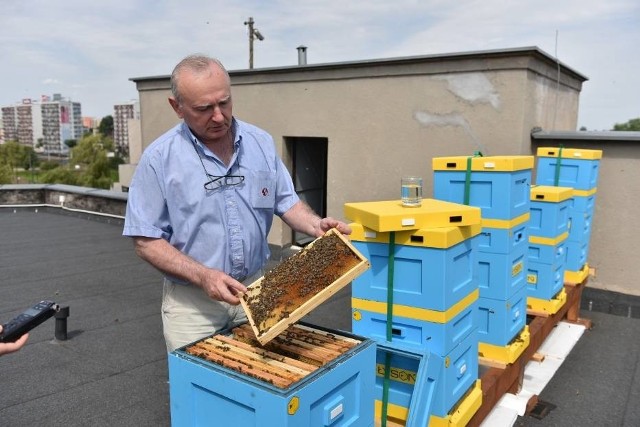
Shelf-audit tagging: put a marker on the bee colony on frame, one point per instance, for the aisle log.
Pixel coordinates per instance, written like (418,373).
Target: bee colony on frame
(300,283)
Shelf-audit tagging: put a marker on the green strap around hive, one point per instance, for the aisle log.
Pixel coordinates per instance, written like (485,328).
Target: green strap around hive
(387,357)
(556,179)
(467,178)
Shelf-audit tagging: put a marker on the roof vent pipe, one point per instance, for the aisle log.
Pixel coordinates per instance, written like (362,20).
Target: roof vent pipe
(302,55)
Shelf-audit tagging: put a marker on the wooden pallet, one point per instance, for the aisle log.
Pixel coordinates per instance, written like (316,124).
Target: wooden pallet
(497,381)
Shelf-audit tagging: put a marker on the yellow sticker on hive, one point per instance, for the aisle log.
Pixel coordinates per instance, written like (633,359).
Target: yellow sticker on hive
(397,374)
(532,278)
(516,269)
(293,405)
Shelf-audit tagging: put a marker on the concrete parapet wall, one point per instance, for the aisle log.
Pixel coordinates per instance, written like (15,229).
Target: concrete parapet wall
(67,196)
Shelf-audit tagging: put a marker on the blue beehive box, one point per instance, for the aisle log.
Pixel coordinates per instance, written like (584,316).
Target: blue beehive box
(432,267)
(498,185)
(544,281)
(576,168)
(341,392)
(548,251)
(454,376)
(504,236)
(579,226)
(549,210)
(414,329)
(500,276)
(583,201)
(577,255)
(499,321)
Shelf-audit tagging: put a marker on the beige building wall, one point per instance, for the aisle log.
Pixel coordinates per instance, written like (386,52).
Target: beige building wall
(388,118)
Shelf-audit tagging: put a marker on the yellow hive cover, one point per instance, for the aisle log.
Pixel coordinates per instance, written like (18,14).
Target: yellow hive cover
(437,237)
(390,215)
(486,164)
(570,153)
(549,193)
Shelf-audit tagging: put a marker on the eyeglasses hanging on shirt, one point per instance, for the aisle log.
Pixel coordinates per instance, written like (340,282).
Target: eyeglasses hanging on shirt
(222,181)
(217,181)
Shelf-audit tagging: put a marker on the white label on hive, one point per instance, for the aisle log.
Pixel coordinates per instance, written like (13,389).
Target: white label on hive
(408,221)
(336,412)
(489,165)
(370,234)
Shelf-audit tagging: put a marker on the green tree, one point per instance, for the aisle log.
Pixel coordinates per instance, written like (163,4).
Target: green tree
(6,174)
(631,125)
(106,126)
(14,155)
(90,160)
(60,175)
(71,142)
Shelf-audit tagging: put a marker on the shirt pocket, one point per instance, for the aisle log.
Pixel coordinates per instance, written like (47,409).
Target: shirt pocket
(263,189)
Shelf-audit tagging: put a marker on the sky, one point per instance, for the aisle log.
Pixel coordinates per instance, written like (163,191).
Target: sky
(88,51)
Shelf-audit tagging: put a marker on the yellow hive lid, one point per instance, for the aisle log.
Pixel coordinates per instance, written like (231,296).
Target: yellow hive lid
(549,193)
(437,237)
(570,153)
(487,164)
(390,215)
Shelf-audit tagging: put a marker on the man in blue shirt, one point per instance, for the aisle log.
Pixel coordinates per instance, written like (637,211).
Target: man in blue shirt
(201,204)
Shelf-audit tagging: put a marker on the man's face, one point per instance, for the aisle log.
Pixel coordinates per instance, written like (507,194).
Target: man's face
(205,103)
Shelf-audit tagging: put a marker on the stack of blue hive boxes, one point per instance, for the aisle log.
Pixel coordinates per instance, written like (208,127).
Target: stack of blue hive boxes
(499,186)
(418,301)
(578,169)
(548,233)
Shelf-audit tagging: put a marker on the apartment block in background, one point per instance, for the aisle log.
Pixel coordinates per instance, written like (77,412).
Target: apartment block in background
(122,114)
(45,124)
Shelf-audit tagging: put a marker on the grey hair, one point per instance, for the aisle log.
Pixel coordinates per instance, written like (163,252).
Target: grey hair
(196,63)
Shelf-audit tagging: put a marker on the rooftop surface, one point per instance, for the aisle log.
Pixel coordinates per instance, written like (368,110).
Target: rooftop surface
(112,369)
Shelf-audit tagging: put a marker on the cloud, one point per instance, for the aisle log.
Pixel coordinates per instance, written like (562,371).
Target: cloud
(94,48)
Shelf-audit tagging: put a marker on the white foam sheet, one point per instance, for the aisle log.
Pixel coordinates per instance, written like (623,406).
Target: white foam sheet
(537,375)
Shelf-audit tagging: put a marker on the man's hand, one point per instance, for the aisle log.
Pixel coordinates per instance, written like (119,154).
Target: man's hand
(222,287)
(10,347)
(215,283)
(328,223)
(303,219)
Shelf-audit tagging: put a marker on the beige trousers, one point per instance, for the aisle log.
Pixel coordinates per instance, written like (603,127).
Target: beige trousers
(188,314)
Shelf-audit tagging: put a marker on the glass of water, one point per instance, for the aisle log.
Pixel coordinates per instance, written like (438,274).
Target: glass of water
(411,191)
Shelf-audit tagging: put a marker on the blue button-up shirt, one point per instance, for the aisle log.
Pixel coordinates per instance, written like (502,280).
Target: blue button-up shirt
(223,227)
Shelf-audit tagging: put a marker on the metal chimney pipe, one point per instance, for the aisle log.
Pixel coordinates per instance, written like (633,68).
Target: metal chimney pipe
(302,55)
(61,323)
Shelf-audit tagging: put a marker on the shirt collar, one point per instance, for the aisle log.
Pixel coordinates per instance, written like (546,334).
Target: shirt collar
(194,139)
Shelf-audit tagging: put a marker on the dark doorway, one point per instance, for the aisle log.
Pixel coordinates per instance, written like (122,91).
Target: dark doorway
(309,170)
